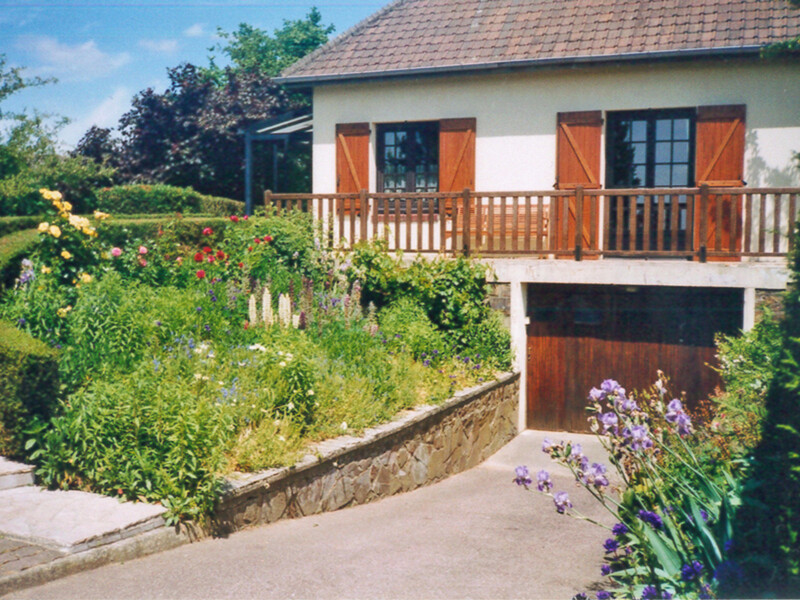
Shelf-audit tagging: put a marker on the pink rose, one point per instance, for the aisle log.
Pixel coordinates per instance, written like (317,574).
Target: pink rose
(142,250)
(115,252)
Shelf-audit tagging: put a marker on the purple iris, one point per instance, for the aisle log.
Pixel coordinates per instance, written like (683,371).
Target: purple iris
(611,545)
(651,518)
(604,595)
(561,500)
(544,484)
(547,444)
(598,474)
(576,453)
(596,395)
(619,529)
(691,571)
(651,593)
(523,476)
(625,404)
(684,424)
(608,420)
(605,570)
(640,439)
(609,386)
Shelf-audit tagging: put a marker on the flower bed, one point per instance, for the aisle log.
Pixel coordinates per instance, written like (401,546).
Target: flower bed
(182,359)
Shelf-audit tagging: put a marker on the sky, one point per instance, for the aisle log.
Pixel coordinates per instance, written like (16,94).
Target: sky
(103,52)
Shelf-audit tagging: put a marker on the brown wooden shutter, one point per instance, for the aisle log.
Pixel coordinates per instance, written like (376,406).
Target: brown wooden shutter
(456,154)
(352,161)
(577,164)
(720,163)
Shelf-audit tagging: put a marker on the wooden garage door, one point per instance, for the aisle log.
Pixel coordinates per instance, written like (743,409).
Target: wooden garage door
(580,335)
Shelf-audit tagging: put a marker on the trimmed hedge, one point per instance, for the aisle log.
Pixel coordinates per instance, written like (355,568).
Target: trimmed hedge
(12,224)
(188,230)
(137,199)
(29,385)
(13,248)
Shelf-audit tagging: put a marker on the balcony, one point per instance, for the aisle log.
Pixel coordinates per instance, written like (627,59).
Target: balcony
(702,224)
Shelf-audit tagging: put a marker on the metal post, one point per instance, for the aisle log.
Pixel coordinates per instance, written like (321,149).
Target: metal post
(248,174)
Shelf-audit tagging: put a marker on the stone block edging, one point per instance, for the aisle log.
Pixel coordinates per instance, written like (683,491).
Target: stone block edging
(420,446)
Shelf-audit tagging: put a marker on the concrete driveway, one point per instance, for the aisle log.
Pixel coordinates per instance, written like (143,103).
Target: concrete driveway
(475,535)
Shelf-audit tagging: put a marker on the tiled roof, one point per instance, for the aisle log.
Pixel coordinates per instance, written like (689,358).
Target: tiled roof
(409,35)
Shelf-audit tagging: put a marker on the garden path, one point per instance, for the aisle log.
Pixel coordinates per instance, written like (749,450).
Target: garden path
(474,535)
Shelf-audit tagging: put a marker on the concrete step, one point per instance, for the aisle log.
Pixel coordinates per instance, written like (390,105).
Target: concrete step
(14,474)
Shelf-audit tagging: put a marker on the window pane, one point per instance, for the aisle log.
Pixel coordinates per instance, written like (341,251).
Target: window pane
(663,152)
(639,154)
(389,139)
(662,177)
(681,129)
(680,175)
(639,176)
(638,131)
(680,152)
(664,129)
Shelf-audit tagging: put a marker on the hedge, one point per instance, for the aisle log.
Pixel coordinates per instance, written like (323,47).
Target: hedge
(12,224)
(13,248)
(136,199)
(29,385)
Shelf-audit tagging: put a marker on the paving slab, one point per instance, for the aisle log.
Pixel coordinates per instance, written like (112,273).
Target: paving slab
(14,474)
(72,521)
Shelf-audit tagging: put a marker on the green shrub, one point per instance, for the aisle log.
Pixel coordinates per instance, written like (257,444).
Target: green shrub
(405,323)
(13,224)
(164,199)
(28,386)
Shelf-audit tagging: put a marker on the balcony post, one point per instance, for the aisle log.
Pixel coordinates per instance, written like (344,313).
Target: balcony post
(702,249)
(363,214)
(467,216)
(267,200)
(578,222)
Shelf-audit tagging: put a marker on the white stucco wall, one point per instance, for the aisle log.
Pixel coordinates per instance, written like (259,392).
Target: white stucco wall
(516,113)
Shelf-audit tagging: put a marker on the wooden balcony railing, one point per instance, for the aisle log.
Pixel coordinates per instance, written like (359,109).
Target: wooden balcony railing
(702,223)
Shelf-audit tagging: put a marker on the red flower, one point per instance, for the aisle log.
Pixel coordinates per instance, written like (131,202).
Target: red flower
(245,217)
(143,262)
(246,324)
(250,248)
(201,274)
(207,250)
(220,254)
(267,238)
(234,218)
(208,231)
(211,258)
(198,257)
(241,265)
(258,240)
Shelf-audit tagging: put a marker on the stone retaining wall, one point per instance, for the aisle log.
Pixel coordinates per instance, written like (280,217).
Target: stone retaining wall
(419,447)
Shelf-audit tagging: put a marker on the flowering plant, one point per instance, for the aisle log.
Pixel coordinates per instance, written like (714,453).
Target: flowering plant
(672,535)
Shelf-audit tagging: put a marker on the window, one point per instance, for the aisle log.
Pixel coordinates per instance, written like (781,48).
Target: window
(650,149)
(408,157)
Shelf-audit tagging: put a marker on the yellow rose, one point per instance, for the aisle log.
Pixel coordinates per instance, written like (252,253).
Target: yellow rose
(55,231)
(86,278)
(65,254)
(62,312)
(46,269)
(66,205)
(101,216)
(44,226)
(54,196)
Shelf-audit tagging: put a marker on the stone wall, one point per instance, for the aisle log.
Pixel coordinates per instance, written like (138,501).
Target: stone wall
(500,300)
(772,300)
(420,446)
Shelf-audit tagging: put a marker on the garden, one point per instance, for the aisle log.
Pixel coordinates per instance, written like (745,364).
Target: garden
(145,357)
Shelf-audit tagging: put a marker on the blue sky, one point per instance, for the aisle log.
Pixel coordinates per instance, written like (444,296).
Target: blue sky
(105,51)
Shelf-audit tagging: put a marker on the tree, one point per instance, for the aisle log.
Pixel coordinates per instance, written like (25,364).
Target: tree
(252,49)
(98,145)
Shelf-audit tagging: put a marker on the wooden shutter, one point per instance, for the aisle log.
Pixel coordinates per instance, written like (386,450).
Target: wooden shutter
(720,163)
(578,138)
(352,162)
(456,154)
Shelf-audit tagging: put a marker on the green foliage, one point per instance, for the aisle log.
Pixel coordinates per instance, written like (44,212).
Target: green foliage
(407,322)
(163,199)
(28,386)
(148,435)
(12,224)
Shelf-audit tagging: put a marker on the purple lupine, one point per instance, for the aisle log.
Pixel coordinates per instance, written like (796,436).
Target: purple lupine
(562,502)
(611,545)
(651,518)
(691,571)
(523,476)
(649,593)
(619,529)
(544,484)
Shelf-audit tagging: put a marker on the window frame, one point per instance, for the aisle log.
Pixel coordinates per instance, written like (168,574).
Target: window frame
(410,174)
(650,116)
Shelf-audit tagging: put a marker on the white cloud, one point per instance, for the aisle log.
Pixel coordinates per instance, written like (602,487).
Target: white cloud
(79,62)
(196,30)
(105,114)
(160,46)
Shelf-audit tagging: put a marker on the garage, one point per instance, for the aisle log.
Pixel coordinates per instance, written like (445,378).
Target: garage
(579,335)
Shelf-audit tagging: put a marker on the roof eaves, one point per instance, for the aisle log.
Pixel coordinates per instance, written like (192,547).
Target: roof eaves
(567,61)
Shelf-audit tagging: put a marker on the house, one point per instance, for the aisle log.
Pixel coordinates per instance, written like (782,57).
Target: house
(626,166)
